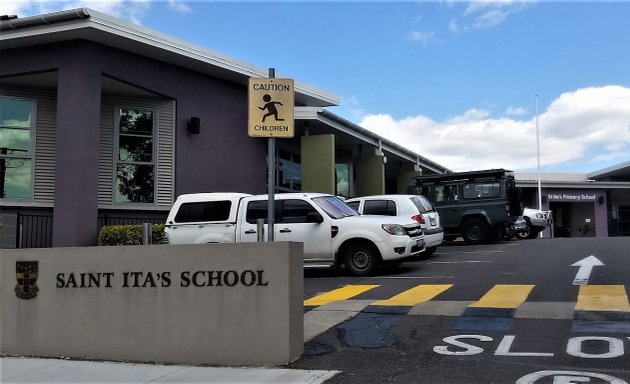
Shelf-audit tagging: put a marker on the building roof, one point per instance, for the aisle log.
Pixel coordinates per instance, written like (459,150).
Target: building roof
(87,24)
(616,172)
(593,180)
(340,124)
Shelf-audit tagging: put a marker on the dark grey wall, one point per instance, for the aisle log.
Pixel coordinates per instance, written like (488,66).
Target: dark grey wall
(221,158)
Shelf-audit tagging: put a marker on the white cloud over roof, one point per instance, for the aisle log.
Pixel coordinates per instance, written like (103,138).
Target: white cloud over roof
(586,125)
(133,10)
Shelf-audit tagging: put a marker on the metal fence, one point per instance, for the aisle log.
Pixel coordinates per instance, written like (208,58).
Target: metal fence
(105,220)
(35,231)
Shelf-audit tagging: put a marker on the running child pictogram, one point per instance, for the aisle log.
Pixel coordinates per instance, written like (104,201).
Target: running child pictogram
(270,106)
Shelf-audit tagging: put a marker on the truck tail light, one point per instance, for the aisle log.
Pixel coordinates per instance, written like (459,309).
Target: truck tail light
(334,230)
(418,218)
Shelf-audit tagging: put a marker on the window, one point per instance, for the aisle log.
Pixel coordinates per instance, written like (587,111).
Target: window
(379,207)
(257,210)
(422,204)
(481,190)
(135,157)
(440,193)
(354,205)
(342,172)
(203,211)
(289,172)
(295,211)
(16,139)
(290,211)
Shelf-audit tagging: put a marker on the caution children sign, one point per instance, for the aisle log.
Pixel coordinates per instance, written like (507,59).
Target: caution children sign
(271,103)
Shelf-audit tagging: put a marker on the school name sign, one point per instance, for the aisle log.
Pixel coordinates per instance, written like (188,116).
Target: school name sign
(219,304)
(571,197)
(231,278)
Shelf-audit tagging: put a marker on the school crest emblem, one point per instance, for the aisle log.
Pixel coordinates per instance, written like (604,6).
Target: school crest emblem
(26,274)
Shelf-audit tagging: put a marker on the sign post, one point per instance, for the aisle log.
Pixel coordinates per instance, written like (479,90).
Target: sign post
(271,105)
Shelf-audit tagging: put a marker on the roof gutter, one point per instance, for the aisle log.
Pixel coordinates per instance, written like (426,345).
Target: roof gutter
(362,133)
(575,184)
(387,143)
(49,18)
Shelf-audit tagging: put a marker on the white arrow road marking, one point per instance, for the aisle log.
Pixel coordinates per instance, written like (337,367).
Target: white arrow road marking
(586,267)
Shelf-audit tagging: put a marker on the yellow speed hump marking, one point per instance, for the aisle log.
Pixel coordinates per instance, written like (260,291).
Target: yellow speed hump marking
(416,295)
(343,293)
(504,296)
(602,298)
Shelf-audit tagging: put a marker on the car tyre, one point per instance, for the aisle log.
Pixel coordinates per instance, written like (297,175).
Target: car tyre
(428,252)
(475,231)
(526,234)
(361,258)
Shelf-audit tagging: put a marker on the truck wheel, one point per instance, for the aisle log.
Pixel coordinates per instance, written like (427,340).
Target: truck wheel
(475,231)
(361,258)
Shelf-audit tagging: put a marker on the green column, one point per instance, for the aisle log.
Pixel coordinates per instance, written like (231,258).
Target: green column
(370,176)
(406,179)
(318,163)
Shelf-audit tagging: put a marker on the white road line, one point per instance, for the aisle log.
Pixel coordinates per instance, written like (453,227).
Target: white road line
(413,277)
(466,253)
(460,262)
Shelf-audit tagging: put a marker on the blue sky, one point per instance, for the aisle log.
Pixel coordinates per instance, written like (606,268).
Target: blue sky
(453,81)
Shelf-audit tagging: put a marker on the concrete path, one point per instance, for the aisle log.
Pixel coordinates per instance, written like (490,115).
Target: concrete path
(30,370)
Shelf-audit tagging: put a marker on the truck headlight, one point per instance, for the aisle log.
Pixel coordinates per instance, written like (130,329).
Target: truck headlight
(394,229)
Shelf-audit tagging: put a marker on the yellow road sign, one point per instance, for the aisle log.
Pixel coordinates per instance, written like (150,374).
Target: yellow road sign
(271,103)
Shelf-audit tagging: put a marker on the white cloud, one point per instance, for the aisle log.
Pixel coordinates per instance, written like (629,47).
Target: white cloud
(133,10)
(424,38)
(352,106)
(453,26)
(515,111)
(474,7)
(582,126)
(486,14)
(179,6)
(490,19)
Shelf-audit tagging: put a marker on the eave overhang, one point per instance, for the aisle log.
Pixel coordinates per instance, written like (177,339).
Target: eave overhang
(573,185)
(332,120)
(87,24)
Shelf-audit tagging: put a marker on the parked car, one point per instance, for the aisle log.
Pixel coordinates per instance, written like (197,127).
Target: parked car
(536,221)
(479,206)
(415,207)
(516,229)
(333,233)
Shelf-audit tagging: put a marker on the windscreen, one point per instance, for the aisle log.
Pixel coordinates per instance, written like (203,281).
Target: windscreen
(334,207)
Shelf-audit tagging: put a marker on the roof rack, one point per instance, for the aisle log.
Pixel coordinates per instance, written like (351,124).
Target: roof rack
(489,174)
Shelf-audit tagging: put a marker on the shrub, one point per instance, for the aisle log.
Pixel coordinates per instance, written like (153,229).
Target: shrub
(129,235)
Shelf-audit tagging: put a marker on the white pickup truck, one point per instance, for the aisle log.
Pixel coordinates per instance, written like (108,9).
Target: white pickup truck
(333,233)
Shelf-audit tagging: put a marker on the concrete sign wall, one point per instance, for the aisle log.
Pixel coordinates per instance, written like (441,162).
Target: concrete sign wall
(224,304)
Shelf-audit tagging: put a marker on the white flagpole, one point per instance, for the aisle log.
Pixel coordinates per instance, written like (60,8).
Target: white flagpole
(538,161)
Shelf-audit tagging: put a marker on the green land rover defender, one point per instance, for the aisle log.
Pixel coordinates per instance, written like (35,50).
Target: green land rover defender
(480,206)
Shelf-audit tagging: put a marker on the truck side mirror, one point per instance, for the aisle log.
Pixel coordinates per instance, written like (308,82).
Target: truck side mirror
(314,217)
